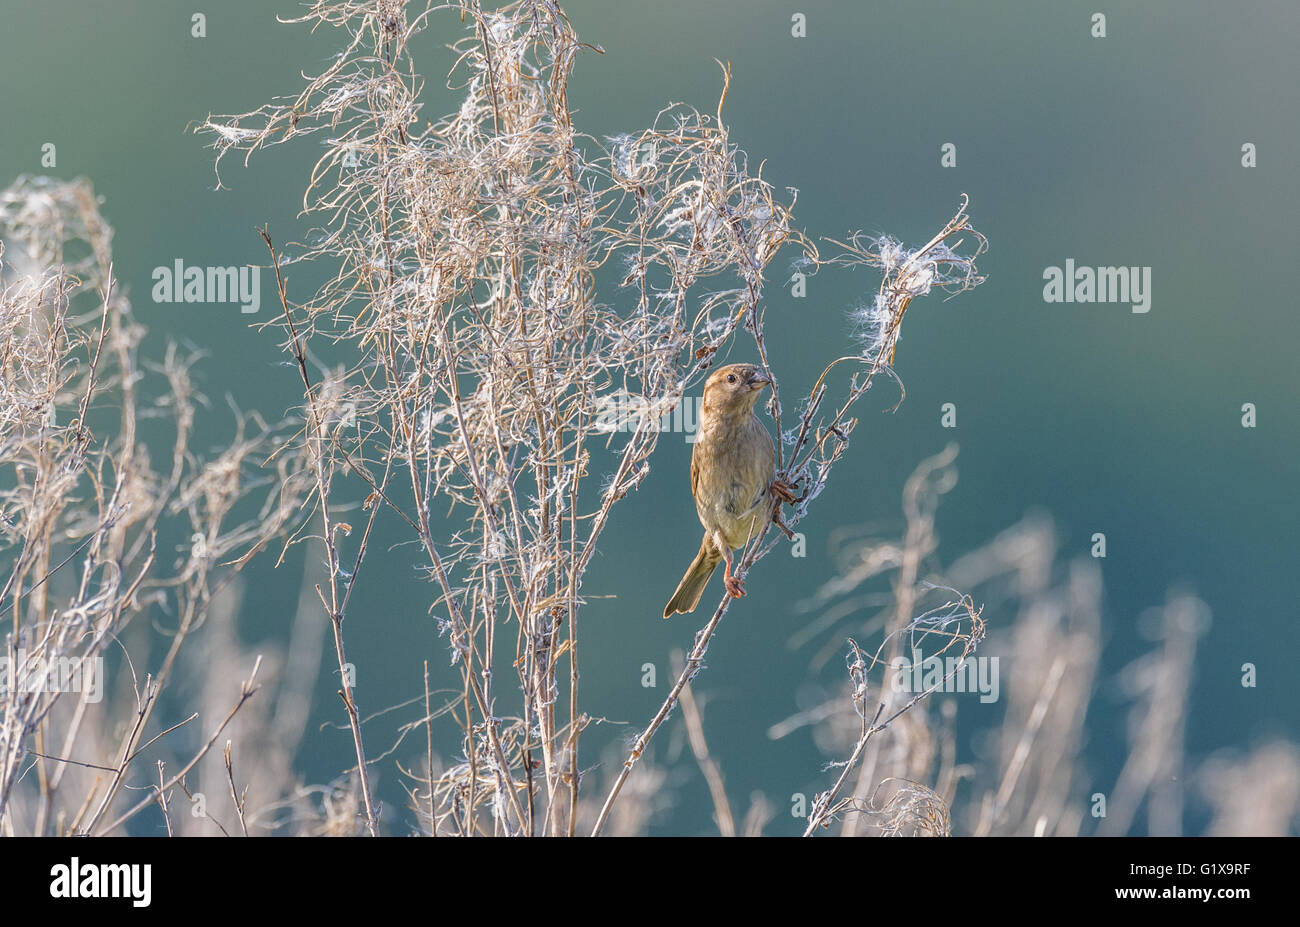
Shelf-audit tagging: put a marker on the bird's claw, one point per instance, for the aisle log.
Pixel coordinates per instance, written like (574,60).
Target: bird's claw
(784,491)
(735,588)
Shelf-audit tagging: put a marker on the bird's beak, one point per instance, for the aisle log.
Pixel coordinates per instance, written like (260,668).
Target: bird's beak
(758,379)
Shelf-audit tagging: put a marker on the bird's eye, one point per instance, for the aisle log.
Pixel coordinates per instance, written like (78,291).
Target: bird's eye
(731,378)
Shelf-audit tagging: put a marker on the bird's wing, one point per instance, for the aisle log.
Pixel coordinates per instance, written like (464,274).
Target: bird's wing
(757,424)
(767,468)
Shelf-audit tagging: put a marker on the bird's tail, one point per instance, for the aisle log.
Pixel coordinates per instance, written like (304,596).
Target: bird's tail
(697,576)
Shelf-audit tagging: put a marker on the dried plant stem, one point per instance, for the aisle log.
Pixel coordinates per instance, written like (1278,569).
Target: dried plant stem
(235,795)
(941,622)
(246,691)
(333,606)
(820,814)
(694,662)
(694,719)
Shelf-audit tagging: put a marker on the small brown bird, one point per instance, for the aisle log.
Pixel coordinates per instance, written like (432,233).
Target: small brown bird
(733,479)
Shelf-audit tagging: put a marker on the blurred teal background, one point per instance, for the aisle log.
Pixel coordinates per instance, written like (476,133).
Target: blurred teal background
(1122,150)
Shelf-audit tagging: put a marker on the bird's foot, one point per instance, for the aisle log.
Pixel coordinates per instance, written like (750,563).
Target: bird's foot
(735,588)
(784,491)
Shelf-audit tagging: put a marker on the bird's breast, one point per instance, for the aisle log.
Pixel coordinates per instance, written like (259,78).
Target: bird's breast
(735,465)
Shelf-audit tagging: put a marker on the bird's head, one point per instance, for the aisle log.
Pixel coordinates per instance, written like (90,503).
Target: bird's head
(734,388)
